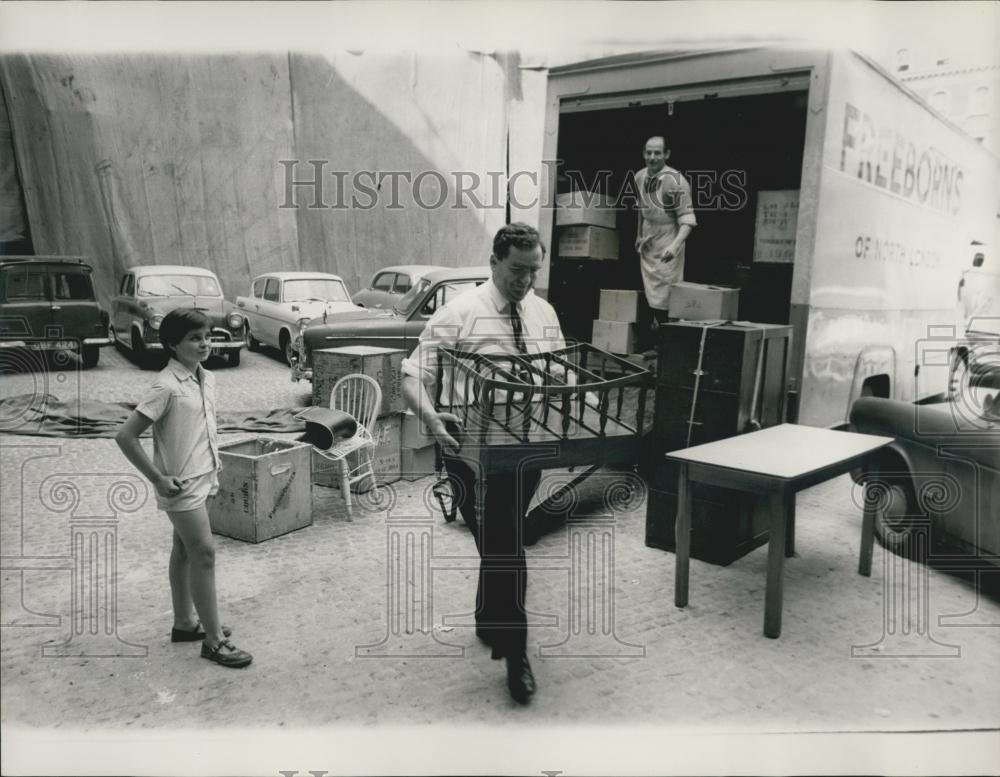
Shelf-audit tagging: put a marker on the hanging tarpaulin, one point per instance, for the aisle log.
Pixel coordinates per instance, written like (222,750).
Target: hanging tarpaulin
(410,150)
(145,159)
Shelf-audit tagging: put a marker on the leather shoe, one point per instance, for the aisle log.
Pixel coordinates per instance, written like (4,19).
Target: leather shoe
(520,680)
(226,654)
(196,634)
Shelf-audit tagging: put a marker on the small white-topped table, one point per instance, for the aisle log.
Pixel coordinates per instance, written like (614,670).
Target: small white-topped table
(773,463)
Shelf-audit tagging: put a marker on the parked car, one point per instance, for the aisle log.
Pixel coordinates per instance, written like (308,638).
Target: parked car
(389,284)
(942,473)
(399,327)
(147,293)
(47,303)
(278,301)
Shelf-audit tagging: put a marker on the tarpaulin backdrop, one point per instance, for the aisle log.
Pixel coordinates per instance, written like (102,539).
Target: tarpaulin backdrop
(159,159)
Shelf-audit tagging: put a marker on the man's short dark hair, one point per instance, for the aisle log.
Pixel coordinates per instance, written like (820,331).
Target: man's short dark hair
(519,236)
(178,322)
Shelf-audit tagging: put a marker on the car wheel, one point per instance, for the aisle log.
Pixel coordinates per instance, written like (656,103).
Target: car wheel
(252,343)
(234,357)
(91,355)
(287,350)
(139,352)
(895,526)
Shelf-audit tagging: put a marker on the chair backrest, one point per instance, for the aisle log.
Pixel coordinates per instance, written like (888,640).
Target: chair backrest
(359,395)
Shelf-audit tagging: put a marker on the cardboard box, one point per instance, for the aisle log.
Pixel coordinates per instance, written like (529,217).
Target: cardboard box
(414,433)
(382,364)
(417,463)
(699,302)
(386,457)
(616,337)
(585,208)
(588,243)
(621,305)
(265,489)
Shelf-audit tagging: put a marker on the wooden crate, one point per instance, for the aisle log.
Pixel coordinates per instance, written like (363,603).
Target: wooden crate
(382,364)
(265,489)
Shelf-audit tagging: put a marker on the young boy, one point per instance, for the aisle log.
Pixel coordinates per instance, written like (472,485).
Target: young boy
(180,406)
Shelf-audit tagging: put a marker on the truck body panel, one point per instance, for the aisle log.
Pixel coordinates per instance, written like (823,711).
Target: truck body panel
(890,197)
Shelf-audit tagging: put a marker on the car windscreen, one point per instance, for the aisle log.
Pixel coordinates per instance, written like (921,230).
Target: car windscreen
(315,288)
(178,285)
(409,300)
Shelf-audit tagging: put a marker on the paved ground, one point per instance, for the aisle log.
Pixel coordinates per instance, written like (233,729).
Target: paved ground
(324,611)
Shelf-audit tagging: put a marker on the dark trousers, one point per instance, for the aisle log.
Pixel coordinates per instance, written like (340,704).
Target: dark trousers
(501,619)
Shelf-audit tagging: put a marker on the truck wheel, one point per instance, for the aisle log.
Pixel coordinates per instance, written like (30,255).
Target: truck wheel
(91,355)
(253,344)
(234,357)
(286,348)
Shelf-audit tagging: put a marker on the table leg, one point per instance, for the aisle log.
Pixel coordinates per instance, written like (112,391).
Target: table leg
(776,504)
(790,524)
(682,538)
(868,522)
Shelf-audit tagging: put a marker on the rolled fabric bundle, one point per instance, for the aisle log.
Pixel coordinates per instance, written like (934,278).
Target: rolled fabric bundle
(324,426)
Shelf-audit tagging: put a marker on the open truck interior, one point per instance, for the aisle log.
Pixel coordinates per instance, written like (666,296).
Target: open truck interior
(730,141)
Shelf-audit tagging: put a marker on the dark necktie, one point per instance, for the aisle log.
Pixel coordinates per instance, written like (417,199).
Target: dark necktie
(518,327)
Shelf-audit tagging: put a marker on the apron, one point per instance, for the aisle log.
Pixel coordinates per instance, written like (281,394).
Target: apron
(659,228)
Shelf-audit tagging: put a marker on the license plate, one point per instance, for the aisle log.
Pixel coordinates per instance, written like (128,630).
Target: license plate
(53,345)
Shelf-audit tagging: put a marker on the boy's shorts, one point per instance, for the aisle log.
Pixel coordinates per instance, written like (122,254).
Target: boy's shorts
(194,493)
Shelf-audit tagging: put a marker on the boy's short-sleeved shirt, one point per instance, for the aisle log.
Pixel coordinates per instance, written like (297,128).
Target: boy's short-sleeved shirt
(182,409)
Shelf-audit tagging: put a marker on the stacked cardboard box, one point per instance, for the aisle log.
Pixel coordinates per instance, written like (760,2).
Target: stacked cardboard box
(623,320)
(586,222)
(417,455)
(701,302)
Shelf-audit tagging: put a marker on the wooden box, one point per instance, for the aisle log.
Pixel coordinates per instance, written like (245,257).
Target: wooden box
(265,489)
(585,242)
(730,382)
(724,524)
(382,364)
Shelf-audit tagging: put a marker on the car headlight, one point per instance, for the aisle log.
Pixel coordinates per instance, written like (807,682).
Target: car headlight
(235,320)
(155,321)
(301,323)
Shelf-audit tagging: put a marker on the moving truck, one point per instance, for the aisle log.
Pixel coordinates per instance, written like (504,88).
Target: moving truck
(833,197)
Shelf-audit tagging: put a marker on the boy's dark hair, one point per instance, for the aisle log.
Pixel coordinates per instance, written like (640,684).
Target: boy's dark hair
(178,322)
(517,235)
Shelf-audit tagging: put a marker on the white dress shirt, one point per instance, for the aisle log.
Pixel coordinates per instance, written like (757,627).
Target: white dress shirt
(478,321)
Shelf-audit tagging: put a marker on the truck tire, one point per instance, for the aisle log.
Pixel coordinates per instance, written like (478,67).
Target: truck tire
(234,357)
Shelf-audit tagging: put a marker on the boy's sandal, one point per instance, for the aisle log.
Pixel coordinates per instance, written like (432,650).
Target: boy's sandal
(197,633)
(226,654)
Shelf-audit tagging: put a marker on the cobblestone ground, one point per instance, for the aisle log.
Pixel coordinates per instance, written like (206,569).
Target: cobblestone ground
(608,647)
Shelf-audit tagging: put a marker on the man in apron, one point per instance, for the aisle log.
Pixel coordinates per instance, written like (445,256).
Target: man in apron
(666,218)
